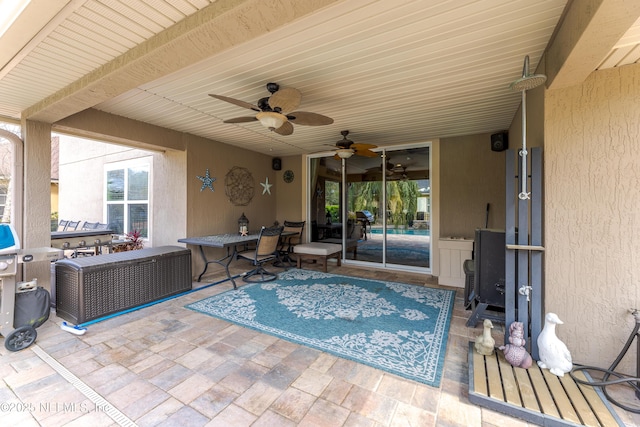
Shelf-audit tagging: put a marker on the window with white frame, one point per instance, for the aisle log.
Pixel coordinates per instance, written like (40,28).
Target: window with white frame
(127,197)
(4,189)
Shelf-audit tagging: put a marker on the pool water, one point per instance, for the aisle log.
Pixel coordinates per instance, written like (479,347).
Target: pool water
(410,231)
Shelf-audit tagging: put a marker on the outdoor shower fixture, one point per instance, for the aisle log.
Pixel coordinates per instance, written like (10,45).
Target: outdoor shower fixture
(523,84)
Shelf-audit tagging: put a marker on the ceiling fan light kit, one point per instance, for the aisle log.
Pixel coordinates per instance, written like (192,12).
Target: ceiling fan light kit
(271,120)
(344,153)
(346,148)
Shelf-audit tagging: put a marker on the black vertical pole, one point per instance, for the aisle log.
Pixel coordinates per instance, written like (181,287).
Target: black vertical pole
(510,239)
(537,294)
(523,258)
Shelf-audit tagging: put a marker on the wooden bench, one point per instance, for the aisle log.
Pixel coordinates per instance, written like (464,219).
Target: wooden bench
(317,252)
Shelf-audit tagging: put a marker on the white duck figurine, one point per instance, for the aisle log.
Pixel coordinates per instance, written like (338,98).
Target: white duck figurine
(485,343)
(554,354)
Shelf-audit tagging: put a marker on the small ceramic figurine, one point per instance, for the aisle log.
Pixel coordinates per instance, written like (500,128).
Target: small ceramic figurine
(515,353)
(485,343)
(554,354)
(516,334)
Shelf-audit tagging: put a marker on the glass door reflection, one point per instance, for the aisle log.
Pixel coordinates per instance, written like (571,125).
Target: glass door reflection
(379,209)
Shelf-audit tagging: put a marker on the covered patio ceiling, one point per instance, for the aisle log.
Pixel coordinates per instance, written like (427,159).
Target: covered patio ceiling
(388,71)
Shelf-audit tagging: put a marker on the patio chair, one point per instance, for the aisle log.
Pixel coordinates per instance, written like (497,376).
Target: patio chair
(62,225)
(288,242)
(72,226)
(266,251)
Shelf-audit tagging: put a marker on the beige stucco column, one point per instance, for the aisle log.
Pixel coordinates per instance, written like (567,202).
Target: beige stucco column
(36,232)
(591,134)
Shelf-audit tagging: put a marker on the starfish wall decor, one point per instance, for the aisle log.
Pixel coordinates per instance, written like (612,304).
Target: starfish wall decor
(207,181)
(266,187)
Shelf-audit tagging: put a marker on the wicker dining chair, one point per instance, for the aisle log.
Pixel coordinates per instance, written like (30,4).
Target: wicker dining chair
(266,251)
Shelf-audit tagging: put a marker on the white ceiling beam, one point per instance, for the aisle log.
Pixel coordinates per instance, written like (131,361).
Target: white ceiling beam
(220,26)
(586,34)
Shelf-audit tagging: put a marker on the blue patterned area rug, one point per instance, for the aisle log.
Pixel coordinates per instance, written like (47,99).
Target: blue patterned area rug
(396,327)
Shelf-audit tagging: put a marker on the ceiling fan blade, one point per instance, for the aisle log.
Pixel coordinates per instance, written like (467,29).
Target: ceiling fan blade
(287,99)
(244,119)
(285,129)
(309,119)
(359,146)
(367,153)
(236,102)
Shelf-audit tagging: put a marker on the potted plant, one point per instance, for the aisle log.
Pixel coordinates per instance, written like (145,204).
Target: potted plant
(133,242)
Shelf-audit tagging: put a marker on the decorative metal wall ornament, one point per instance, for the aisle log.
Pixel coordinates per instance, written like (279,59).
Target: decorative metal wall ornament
(288,176)
(239,186)
(266,187)
(207,181)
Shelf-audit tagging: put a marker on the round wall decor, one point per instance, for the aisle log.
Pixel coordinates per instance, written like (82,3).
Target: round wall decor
(239,186)
(288,176)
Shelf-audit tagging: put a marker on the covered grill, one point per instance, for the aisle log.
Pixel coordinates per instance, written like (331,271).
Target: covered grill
(365,218)
(19,336)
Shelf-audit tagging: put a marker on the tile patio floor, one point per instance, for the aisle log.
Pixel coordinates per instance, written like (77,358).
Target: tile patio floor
(165,365)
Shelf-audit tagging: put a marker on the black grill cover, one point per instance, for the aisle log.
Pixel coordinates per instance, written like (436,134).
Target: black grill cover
(32,308)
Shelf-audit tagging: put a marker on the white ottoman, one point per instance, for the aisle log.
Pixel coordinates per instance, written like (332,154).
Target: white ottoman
(317,252)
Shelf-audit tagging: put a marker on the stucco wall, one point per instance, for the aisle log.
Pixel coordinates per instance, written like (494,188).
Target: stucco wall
(592,233)
(36,196)
(289,197)
(81,192)
(169,206)
(211,212)
(471,175)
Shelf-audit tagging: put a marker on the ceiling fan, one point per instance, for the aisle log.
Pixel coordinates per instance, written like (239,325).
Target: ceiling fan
(377,170)
(347,148)
(397,171)
(275,112)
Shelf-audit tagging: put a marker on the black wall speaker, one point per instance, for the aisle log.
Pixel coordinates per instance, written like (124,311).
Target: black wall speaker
(499,141)
(276,163)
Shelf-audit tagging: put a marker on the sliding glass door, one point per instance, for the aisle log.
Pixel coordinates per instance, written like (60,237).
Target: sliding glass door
(378,208)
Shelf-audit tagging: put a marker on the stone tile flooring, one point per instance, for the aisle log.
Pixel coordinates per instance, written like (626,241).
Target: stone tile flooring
(165,365)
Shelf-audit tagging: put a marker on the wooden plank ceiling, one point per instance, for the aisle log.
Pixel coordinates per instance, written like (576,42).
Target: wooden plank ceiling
(389,71)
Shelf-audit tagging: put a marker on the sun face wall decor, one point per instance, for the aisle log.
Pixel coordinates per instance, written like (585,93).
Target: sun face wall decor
(239,186)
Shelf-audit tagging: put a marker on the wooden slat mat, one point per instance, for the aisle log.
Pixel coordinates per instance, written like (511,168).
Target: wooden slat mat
(535,394)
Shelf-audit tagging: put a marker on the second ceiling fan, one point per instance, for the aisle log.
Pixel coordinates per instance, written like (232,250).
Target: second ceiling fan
(347,148)
(276,112)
